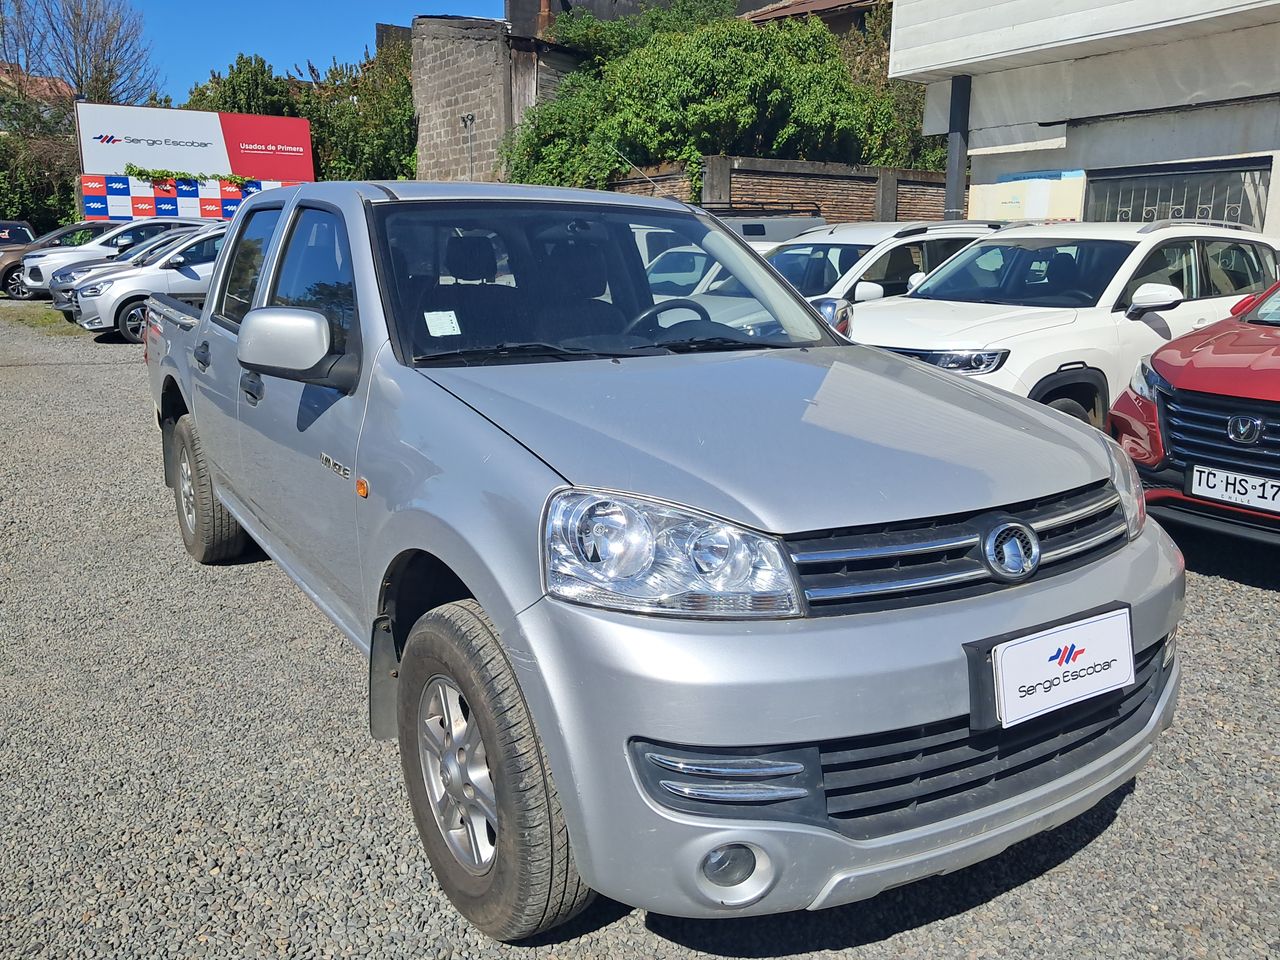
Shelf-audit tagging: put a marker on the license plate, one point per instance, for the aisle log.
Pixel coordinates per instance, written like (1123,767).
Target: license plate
(1062,665)
(1256,492)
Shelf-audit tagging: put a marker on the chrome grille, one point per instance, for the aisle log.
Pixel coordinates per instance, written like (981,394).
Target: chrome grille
(1195,429)
(859,568)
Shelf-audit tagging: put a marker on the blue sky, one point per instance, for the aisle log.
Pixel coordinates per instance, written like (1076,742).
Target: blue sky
(187,43)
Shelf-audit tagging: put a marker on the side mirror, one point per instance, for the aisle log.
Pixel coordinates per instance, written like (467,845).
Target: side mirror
(293,344)
(836,312)
(1153,296)
(865,290)
(174,262)
(914,280)
(55,242)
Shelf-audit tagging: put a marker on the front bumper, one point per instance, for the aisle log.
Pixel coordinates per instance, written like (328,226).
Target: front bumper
(596,681)
(88,312)
(35,279)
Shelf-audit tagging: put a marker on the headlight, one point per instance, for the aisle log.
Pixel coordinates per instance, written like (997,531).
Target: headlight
(967,362)
(835,311)
(626,553)
(1124,476)
(1146,382)
(95,289)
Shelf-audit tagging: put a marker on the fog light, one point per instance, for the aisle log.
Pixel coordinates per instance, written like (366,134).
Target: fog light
(729,865)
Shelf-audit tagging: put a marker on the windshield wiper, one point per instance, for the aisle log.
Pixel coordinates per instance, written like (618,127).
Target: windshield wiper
(715,343)
(531,349)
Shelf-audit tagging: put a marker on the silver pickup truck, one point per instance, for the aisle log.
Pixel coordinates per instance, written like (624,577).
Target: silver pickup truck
(684,601)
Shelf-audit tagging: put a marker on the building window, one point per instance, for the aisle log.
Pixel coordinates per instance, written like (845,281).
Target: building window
(1233,192)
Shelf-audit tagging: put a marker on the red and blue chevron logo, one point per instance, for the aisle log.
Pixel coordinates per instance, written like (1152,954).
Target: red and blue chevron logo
(1065,655)
(106,138)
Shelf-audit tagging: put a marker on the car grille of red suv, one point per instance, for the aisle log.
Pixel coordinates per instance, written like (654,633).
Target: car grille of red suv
(1195,431)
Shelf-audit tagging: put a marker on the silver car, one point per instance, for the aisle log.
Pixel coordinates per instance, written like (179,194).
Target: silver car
(39,266)
(715,621)
(63,282)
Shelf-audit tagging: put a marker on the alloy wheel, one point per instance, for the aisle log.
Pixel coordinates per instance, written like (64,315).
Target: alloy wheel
(455,768)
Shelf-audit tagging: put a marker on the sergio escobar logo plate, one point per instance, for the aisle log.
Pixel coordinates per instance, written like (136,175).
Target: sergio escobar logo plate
(1062,665)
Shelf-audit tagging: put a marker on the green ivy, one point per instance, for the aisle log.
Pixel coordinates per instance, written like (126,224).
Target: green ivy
(159,176)
(726,87)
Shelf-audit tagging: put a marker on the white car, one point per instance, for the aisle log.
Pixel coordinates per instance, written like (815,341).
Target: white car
(38,267)
(858,262)
(116,300)
(1062,313)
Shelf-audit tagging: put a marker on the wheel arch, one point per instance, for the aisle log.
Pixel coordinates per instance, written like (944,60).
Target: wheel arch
(416,581)
(173,406)
(1085,384)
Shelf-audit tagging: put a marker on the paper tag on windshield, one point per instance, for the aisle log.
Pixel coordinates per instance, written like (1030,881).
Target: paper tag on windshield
(442,323)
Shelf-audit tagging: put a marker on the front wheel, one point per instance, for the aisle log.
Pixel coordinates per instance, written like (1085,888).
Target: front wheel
(14,288)
(129,320)
(478,780)
(1072,409)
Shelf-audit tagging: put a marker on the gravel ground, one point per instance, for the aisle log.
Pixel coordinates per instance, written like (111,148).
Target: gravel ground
(187,770)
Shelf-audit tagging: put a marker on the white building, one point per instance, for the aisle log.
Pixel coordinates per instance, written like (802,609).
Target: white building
(1103,109)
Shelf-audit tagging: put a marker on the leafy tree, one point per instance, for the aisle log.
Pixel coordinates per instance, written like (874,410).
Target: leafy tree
(250,85)
(726,87)
(605,40)
(362,116)
(898,120)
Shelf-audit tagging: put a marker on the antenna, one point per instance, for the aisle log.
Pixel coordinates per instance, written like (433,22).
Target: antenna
(628,162)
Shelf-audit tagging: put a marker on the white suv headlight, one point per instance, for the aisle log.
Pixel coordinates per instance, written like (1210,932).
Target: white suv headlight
(627,553)
(968,362)
(1124,476)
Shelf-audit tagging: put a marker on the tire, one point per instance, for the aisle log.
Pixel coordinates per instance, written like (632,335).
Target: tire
(13,286)
(1072,409)
(529,882)
(210,533)
(129,320)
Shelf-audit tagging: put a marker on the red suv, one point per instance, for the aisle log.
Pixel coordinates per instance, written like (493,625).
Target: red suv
(1201,419)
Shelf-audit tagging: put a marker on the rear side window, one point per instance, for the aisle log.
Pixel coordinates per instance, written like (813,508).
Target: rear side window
(1233,268)
(315,273)
(895,267)
(936,251)
(245,269)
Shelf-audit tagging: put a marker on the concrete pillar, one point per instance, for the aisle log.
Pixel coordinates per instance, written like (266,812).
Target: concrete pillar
(958,147)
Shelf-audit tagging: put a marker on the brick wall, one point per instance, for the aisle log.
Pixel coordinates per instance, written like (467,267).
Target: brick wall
(460,66)
(840,192)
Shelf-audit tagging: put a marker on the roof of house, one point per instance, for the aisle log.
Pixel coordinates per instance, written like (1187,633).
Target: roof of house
(801,8)
(38,88)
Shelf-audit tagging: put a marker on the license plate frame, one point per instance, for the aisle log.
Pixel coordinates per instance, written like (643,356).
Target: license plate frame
(1247,500)
(989,706)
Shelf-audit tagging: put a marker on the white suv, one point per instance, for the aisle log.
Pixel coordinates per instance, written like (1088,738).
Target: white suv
(1062,313)
(867,261)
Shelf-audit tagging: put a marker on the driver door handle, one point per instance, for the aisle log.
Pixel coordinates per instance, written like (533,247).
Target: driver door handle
(201,355)
(251,384)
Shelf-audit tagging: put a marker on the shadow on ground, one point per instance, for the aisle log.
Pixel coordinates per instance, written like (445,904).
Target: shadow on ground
(858,924)
(1216,555)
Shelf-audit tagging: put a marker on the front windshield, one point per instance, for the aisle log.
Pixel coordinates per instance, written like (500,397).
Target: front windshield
(1030,271)
(814,268)
(505,281)
(1268,311)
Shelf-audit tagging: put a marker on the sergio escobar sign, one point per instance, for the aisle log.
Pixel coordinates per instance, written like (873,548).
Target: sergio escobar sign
(193,141)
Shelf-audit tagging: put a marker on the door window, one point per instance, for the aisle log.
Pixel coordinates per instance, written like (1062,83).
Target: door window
(895,267)
(206,251)
(315,273)
(1173,264)
(1236,269)
(245,268)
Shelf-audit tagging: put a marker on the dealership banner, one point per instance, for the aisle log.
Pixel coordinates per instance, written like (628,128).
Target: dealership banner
(125,198)
(195,141)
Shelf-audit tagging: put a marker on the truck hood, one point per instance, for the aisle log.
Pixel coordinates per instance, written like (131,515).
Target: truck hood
(914,323)
(784,440)
(1231,357)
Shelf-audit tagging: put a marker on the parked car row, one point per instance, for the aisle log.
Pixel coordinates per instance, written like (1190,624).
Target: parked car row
(100,278)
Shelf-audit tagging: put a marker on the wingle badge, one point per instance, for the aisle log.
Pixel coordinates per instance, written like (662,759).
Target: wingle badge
(335,466)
